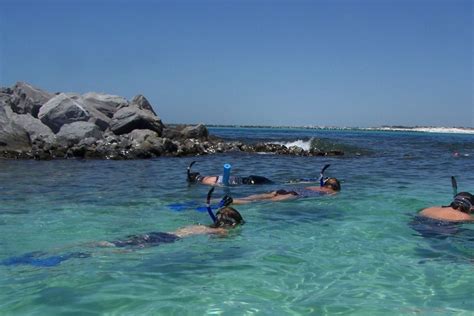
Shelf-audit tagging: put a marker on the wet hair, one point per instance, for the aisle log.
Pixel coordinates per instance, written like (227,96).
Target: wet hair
(228,217)
(192,176)
(463,202)
(333,183)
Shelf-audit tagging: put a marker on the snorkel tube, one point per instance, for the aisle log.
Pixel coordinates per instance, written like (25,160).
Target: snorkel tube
(208,206)
(226,176)
(321,175)
(454,185)
(189,171)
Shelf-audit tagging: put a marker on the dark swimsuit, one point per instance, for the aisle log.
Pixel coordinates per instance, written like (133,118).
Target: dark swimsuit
(235,180)
(430,227)
(150,239)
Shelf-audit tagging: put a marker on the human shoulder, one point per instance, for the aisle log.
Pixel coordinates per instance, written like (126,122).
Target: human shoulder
(445,213)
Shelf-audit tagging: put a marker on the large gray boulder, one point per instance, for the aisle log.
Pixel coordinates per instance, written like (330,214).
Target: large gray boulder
(5,99)
(62,109)
(35,129)
(96,116)
(141,135)
(131,117)
(199,131)
(28,99)
(104,103)
(74,132)
(142,103)
(12,135)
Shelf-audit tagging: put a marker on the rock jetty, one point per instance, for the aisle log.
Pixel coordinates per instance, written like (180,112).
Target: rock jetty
(35,124)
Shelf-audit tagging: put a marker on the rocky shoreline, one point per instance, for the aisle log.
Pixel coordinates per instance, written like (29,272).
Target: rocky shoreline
(35,124)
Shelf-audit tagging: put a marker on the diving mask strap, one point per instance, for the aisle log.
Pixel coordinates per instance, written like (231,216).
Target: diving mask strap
(208,206)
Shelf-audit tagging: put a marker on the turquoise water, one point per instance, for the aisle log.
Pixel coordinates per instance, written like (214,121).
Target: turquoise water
(350,254)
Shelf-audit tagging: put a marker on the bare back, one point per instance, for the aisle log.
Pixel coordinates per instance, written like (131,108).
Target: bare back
(446,214)
(198,230)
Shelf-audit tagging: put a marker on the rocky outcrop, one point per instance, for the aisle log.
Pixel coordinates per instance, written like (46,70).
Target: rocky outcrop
(35,124)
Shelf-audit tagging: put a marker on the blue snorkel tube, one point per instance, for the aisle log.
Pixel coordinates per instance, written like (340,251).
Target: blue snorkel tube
(321,175)
(208,206)
(226,174)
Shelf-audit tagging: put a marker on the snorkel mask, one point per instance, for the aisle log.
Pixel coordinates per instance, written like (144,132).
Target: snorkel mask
(221,218)
(463,202)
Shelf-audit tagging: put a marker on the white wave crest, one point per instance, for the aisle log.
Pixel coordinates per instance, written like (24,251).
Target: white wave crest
(305,144)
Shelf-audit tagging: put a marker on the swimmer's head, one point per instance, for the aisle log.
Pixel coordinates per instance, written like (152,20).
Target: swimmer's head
(192,176)
(463,202)
(332,183)
(228,217)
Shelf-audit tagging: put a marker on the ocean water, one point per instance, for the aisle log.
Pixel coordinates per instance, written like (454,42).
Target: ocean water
(355,253)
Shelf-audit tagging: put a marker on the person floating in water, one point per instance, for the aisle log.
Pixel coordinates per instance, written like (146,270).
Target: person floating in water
(226,217)
(461,209)
(330,186)
(326,186)
(196,177)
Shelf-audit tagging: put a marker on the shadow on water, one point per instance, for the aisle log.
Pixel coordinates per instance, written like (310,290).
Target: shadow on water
(445,240)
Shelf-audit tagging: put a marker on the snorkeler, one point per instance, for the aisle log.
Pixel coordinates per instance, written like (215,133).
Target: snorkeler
(327,186)
(196,177)
(225,218)
(460,209)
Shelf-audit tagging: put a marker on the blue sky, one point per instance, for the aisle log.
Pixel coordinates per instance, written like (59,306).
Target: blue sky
(332,63)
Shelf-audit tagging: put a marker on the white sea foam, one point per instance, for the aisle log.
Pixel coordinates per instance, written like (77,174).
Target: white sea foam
(305,144)
(448,130)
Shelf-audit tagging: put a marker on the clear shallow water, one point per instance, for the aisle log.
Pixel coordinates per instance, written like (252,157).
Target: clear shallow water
(354,253)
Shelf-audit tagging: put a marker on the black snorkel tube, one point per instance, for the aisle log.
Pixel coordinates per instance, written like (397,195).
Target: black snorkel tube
(454,185)
(189,171)
(321,175)
(208,206)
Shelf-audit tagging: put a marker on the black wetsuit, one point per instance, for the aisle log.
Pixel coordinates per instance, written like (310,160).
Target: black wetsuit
(235,180)
(150,239)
